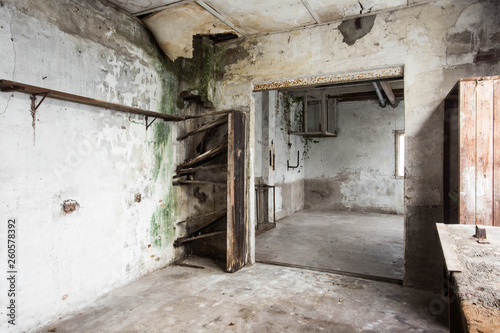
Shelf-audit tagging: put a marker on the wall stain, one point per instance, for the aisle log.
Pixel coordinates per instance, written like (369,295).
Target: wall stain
(357,28)
(162,230)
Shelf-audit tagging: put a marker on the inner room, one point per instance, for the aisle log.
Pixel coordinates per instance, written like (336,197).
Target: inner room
(334,155)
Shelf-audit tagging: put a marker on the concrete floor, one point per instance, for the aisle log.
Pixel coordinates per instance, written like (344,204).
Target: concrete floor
(259,298)
(360,243)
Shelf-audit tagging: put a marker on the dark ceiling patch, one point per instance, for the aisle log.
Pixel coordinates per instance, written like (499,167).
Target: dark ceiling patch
(217,38)
(354,29)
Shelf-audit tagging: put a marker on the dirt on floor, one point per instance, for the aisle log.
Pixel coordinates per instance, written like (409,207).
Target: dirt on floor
(481,319)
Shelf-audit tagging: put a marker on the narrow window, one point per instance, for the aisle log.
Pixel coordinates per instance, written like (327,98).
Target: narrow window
(400,154)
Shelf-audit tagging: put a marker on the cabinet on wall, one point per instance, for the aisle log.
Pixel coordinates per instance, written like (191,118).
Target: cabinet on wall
(472,152)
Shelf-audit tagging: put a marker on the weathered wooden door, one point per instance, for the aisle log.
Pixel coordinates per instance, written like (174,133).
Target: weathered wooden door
(479,150)
(237,187)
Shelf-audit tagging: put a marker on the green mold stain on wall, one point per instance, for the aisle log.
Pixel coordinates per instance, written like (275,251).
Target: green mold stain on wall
(162,231)
(199,74)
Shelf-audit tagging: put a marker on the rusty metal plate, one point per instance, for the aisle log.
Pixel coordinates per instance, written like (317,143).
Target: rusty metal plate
(376,74)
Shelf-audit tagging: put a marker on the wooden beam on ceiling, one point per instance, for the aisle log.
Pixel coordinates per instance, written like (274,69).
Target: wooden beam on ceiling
(311,11)
(389,93)
(220,17)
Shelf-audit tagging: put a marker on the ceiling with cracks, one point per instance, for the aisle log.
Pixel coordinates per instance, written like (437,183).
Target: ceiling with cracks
(174,22)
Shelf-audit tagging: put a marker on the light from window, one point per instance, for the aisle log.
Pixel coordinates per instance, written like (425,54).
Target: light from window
(400,154)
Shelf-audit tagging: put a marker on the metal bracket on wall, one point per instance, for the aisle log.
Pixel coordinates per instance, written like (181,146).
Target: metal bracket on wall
(151,123)
(288,166)
(34,107)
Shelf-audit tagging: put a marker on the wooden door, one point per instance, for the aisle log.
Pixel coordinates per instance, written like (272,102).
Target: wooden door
(237,224)
(479,139)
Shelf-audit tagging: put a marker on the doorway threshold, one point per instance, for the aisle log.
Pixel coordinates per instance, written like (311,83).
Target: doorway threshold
(333,271)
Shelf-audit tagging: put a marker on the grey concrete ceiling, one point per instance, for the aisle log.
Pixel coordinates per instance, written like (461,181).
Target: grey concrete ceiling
(175,22)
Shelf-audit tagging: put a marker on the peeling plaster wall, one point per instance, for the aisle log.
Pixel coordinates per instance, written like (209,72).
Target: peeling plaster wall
(271,136)
(356,170)
(121,227)
(425,41)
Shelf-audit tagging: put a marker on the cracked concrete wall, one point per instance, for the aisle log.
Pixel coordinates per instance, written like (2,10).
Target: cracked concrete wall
(356,170)
(115,175)
(424,40)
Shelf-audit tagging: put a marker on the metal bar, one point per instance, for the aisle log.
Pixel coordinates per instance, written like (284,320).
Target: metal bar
(288,166)
(220,17)
(311,11)
(40,103)
(274,204)
(334,271)
(257,207)
(379,94)
(157,9)
(151,123)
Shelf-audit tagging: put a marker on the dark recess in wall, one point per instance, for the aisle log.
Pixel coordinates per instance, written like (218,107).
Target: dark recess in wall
(357,28)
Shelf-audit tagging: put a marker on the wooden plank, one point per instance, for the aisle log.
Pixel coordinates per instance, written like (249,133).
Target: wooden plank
(197,182)
(194,218)
(217,122)
(389,93)
(237,226)
(450,256)
(484,153)
(201,168)
(208,114)
(479,78)
(496,152)
(179,242)
(10,86)
(205,157)
(467,141)
(206,224)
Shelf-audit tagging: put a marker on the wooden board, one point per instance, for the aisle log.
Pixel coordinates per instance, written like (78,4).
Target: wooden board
(450,256)
(205,157)
(237,225)
(496,153)
(206,127)
(484,153)
(197,182)
(467,141)
(10,86)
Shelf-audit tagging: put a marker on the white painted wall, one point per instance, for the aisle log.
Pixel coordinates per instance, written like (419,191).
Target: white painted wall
(97,157)
(272,134)
(356,169)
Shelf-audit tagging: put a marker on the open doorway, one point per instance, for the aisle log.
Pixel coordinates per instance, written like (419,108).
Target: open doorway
(334,155)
